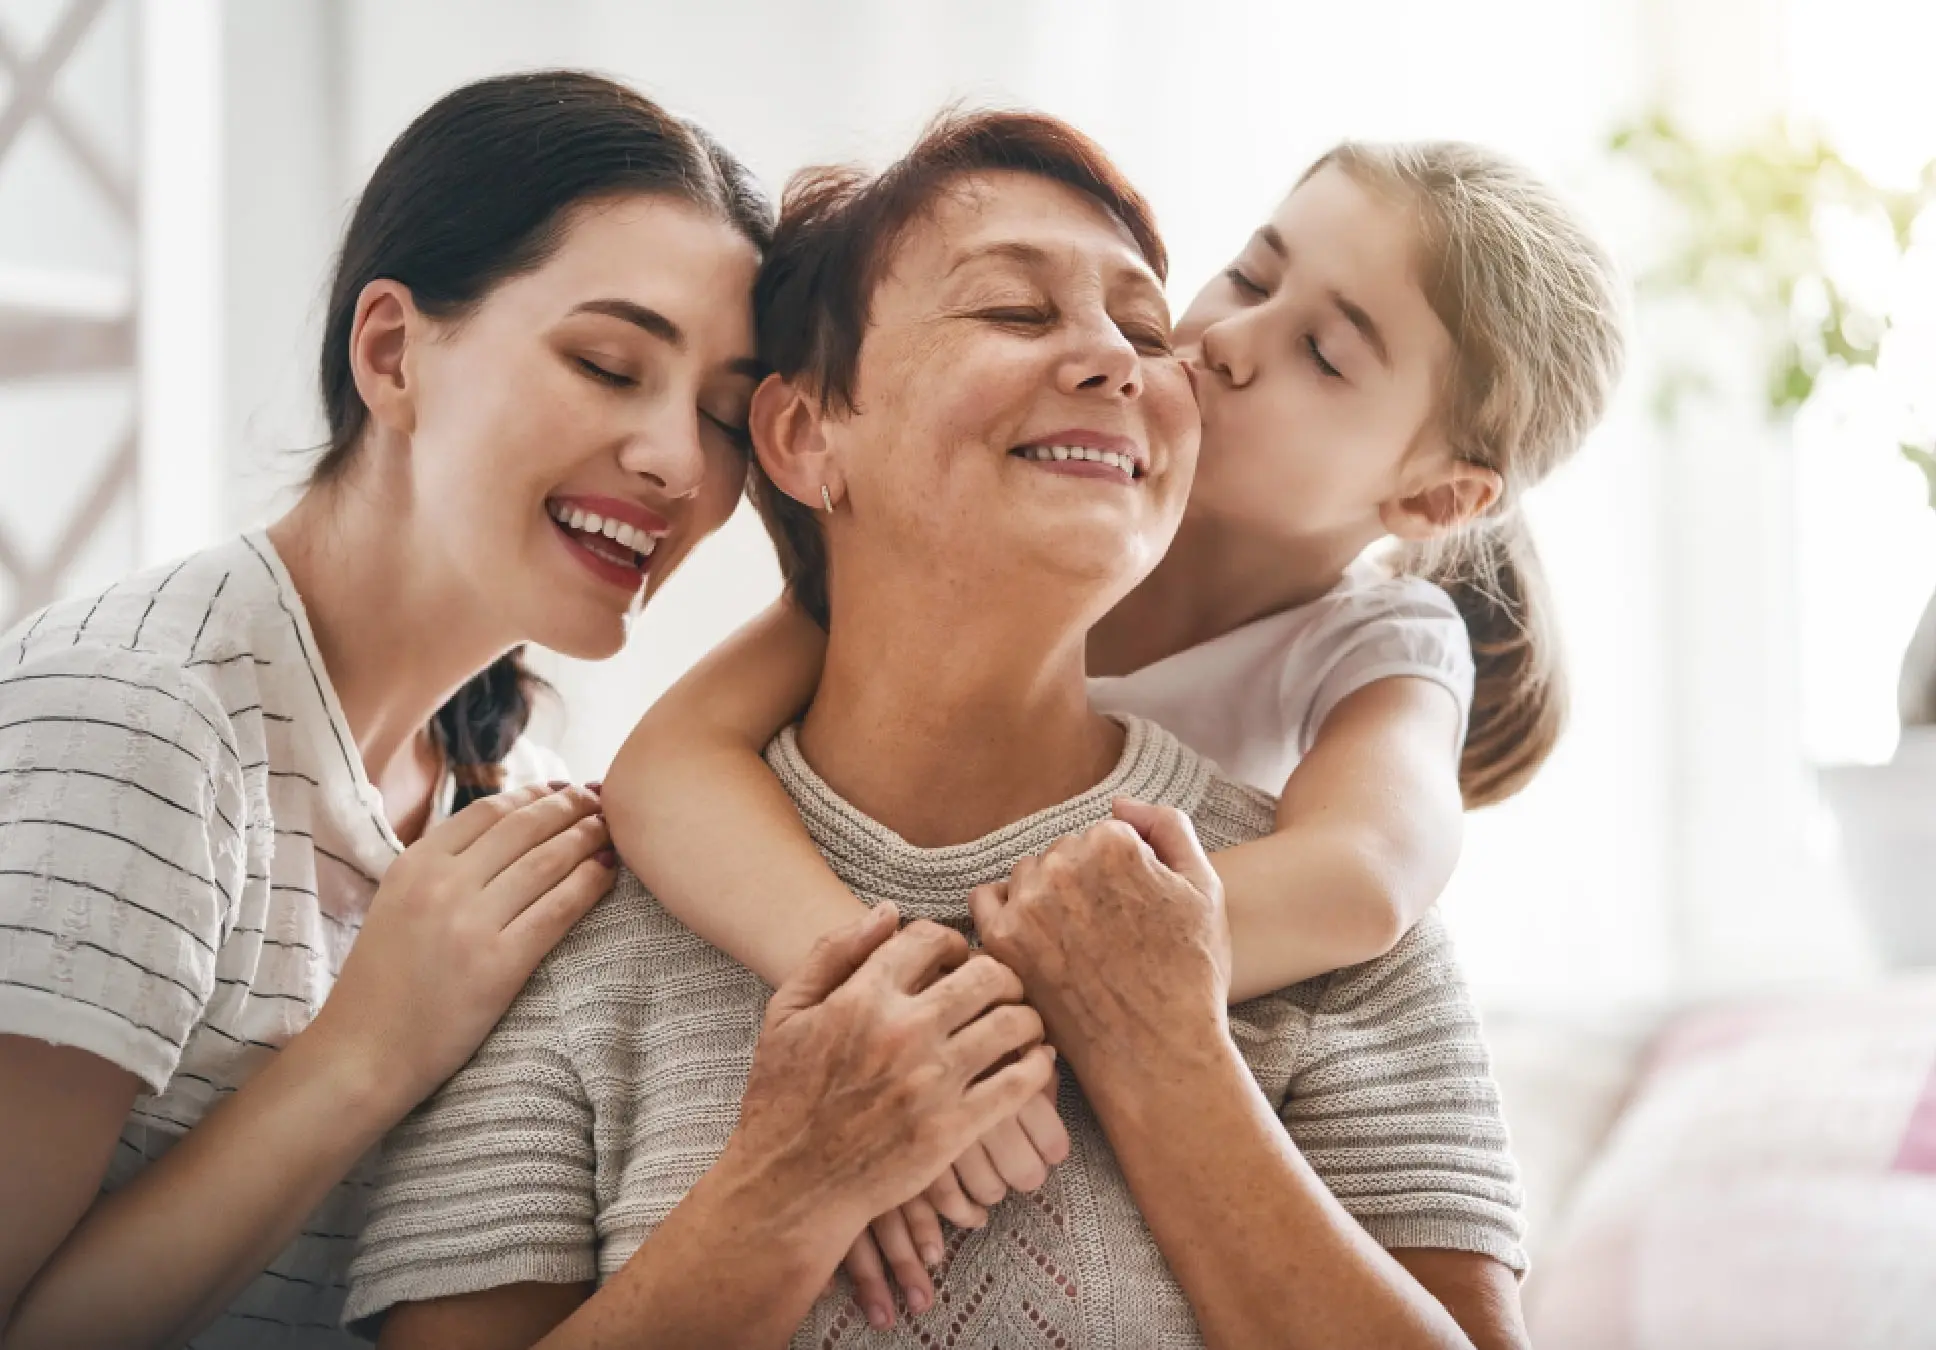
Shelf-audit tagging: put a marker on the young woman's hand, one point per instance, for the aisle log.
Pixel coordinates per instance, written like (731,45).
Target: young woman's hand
(458,925)
(1015,1155)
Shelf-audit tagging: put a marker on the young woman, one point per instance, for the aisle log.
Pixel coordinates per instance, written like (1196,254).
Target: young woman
(274,856)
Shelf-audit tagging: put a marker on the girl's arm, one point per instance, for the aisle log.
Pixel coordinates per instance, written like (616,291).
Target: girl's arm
(1368,832)
(700,817)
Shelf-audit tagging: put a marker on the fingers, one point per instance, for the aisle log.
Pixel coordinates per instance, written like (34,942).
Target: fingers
(964,994)
(465,828)
(896,1244)
(869,1275)
(986,902)
(1042,1123)
(516,834)
(979,1177)
(1171,837)
(953,1203)
(544,867)
(912,958)
(1004,1092)
(545,922)
(992,1038)
(832,962)
(924,1226)
(1013,1155)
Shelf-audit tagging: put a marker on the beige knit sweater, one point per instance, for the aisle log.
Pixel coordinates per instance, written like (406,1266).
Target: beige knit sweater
(614,1081)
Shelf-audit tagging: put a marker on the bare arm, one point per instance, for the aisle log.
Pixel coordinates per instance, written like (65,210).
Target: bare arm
(739,1262)
(457,925)
(882,1056)
(1266,1254)
(1262,1248)
(703,821)
(1368,832)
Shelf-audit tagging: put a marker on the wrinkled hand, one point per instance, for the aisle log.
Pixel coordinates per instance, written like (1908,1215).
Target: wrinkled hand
(1016,1154)
(1119,936)
(878,1066)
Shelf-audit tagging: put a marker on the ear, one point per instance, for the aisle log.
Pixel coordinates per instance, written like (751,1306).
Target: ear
(387,319)
(786,424)
(1458,494)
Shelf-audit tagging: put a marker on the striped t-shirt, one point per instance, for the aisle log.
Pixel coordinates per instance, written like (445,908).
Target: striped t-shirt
(188,844)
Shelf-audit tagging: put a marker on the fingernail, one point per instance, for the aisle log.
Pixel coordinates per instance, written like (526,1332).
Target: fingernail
(607,857)
(557,785)
(931,1257)
(878,1317)
(596,789)
(917,1301)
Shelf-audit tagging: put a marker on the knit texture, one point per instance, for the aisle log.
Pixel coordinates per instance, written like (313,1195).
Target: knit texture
(615,1081)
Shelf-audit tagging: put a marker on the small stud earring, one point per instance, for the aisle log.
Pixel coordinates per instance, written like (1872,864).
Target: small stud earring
(827,499)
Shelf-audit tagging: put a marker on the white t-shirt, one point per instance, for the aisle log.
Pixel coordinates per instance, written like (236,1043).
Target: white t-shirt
(188,845)
(1254,699)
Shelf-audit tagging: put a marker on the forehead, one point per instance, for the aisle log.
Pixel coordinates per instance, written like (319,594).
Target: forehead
(1004,219)
(648,248)
(1352,233)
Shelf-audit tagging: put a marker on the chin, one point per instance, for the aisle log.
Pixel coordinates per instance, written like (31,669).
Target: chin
(584,637)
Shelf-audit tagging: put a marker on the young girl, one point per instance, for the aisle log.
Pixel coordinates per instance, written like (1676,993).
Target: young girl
(1418,335)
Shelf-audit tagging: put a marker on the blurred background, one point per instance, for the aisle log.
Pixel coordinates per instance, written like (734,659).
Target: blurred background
(1741,557)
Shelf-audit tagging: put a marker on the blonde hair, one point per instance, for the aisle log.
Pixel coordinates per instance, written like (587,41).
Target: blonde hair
(1537,314)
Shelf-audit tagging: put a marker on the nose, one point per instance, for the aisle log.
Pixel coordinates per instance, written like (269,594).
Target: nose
(1100,360)
(668,452)
(1225,351)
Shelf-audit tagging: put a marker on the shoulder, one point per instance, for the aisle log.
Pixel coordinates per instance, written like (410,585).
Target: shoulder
(631,944)
(1408,613)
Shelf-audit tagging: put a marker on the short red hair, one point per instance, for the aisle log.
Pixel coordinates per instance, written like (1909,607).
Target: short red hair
(838,229)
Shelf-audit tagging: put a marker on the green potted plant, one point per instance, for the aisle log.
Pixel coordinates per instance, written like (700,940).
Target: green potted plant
(1748,246)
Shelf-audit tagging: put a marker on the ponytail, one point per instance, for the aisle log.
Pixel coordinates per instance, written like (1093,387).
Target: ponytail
(1519,693)
(478,725)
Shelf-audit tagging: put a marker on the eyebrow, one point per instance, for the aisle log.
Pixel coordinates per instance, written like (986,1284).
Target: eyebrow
(1012,250)
(1354,314)
(664,329)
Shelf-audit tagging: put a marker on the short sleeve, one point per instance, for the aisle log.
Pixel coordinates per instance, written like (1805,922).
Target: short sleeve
(1395,627)
(1395,1109)
(120,853)
(490,1182)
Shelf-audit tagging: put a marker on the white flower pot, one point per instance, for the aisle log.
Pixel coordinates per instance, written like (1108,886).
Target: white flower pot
(1887,814)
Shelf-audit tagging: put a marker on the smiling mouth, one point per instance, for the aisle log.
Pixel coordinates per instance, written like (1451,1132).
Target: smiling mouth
(1122,464)
(614,541)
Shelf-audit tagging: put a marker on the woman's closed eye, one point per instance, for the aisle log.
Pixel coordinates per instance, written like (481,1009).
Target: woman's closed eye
(1020,316)
(735,431)
(604,375)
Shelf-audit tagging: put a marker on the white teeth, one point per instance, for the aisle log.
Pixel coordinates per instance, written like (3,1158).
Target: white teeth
(611,528)
(594,523)
(577,521)
(1125,464)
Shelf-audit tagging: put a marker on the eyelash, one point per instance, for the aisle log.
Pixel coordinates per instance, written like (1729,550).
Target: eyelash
(741,437)
(1156,342)
(1235,275)
(1325,368)
(610,378)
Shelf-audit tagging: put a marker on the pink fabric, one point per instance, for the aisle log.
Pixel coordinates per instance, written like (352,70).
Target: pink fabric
(1771,1186)
(1918,1152)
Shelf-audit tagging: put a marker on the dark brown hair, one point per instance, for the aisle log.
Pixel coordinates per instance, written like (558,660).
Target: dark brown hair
(1537,314)
(837,233)
(474,192)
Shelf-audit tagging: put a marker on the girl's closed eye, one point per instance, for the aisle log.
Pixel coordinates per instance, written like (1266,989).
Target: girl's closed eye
(1245,286)
(1325,368)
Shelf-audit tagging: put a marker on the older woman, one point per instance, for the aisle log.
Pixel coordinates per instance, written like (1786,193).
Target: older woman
(997,290)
